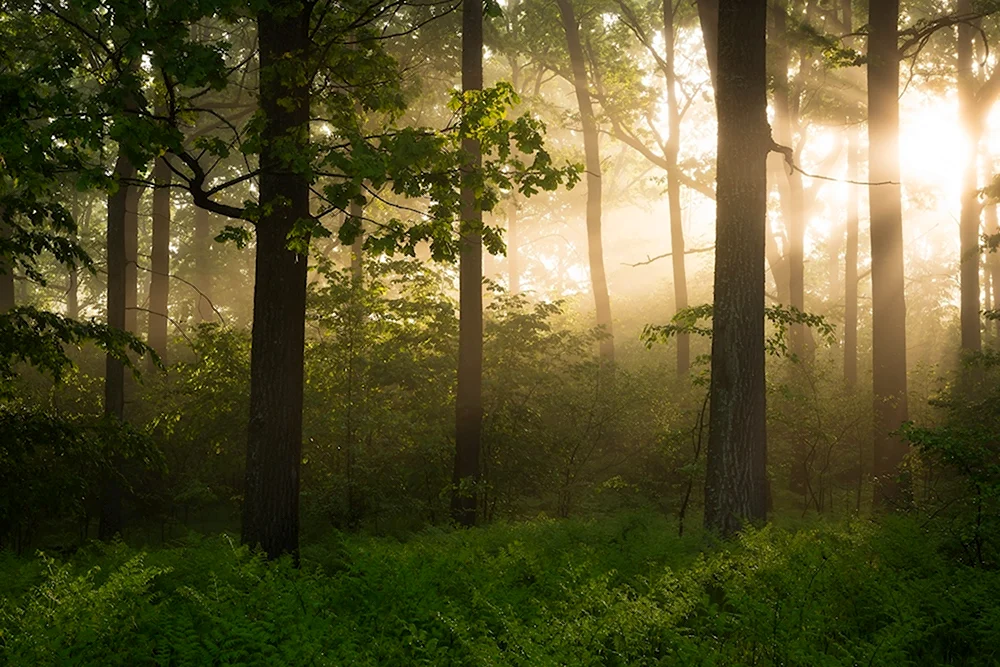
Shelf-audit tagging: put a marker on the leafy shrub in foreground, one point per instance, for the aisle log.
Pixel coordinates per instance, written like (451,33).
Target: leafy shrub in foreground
(614,592)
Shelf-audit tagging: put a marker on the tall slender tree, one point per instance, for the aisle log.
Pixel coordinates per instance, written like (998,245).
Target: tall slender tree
(111,520)
(674,184)
(736,477)
(592,161)
(159,276)
(888,302)
(469,396)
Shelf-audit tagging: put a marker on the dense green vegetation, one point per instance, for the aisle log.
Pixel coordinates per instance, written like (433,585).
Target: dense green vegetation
(326,335)
(614,591)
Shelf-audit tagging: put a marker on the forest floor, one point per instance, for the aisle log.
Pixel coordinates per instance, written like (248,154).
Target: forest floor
(623,590)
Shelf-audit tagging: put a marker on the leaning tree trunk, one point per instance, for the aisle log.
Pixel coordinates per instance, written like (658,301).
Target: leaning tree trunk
(888,303)
(274,445)
(469,392)
(159,277)
(736,476)
(677,256)
(592,160)
(111,523)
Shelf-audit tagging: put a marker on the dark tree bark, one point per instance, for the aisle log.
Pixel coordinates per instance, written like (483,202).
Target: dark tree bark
(274,445)
(969,219)
(592,160)
(708,17)
(111,521)
(888,302)
(159,277)
(677,256)
(469,396)
(736,477)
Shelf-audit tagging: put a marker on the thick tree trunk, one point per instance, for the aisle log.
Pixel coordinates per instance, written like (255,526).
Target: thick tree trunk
(736,477)
(851,265)
(677,256)
(159,277)
(469,396)
(592,160)
(111,522)
(274,445)
(888,302)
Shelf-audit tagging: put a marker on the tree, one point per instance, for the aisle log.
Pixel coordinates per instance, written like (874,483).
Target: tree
(469,392)
(592,159)
(851,246)
(274,444)
(111,522)
(159,276)
(888,302)
(736,477)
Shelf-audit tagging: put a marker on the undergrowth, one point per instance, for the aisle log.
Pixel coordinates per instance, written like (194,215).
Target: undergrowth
(620,591)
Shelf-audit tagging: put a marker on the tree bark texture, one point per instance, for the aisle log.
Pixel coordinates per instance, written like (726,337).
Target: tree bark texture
(271,500)
(736,477)
(469,397)
(111,520)
(888,303)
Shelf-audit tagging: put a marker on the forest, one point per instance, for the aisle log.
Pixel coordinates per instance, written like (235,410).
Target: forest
(499,332)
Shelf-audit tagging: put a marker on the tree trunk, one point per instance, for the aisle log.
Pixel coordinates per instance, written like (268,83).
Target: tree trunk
(708,18)
(888,302)
(131,259)
(592,160)
(159,278)
(111,523)
(736,477)
(202,242)
(513,241)
(792,204)
(469,396)
(274,445)
(7,300)
(851,264)
(969,220)
(677,256)
(356,210)
(993,262)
